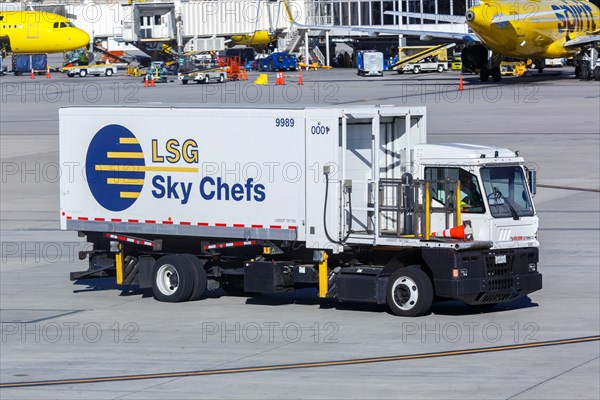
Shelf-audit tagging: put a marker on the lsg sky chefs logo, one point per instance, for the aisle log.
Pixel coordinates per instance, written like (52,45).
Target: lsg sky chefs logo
(116,170)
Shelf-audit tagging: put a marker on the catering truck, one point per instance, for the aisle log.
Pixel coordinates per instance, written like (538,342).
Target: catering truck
(350,201)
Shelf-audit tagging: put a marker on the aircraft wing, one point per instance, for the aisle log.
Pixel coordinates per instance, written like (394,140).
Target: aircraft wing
(582,41)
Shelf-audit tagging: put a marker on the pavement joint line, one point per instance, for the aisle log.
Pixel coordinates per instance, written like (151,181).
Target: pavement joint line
(317,364)
(569,188)
(552,377)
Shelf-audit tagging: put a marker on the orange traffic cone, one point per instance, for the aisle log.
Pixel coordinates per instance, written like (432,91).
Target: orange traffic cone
(32,76)
(300,78)
(146,81)
(283,78)
(277,79)
(461,86)
(464,231)
(152,81)
(244,74)
(47,72)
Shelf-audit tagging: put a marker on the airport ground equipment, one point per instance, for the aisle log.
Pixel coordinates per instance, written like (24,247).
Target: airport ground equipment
(429,64)
(25,63)
(415,54)
(92,69)
(258,200)
(278,61)
(369,63)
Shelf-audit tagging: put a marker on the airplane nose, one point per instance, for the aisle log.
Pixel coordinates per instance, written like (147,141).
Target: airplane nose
(81,39)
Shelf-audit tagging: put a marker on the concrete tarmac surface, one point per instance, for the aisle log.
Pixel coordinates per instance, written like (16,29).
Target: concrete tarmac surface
(80,333)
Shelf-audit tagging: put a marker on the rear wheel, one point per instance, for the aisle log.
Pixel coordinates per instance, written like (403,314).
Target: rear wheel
(172,279)
(585,71)
(597,73)
(199,275)
(206,79)
(440,68)
(82,73)
(221,78)
(409,292)
(108,72)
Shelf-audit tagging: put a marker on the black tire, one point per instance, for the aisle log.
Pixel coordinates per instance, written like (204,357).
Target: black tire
(577,72)
(206,79)
(484,74)
(409,292)
(172,279)
(597,74)
(496,74)
(70,75)
(221,78)
(83,73)
(199,274)
(108,72)
(416,70)
(440,68)
(184,81)
(585,71)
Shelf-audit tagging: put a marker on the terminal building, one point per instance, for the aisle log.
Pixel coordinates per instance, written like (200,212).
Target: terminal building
(190,24)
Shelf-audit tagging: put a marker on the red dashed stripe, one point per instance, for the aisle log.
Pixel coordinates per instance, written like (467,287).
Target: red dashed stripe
(229,244)
(152,221)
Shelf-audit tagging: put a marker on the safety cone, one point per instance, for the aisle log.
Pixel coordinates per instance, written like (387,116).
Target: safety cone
(152,81)
(461,86)
(32,76)
(47,72)
(300,77)
(283,78)
(244,74)
(277,79)
(146,81)
(464,231)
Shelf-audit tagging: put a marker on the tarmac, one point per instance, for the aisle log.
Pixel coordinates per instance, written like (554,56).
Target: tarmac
(296,346)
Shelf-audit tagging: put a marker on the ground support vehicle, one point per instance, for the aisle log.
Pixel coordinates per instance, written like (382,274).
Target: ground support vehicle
(369,63)
(25,63)
(93,69)
(203,76)
(279,61)
(350,201)
(425,65)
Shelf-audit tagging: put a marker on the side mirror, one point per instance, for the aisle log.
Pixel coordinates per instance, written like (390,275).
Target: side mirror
(532,179)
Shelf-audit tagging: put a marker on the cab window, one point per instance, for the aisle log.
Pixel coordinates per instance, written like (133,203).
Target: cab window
(443,186)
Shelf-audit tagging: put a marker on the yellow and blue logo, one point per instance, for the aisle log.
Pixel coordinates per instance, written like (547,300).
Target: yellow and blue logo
(115,167)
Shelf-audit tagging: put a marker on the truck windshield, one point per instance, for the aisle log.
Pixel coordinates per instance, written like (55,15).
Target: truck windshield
(506,193)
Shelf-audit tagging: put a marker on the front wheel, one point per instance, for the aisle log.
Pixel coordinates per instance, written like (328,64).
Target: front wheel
(496,74)
(484,74)
(409,292)
(585,71)
(440,68)
(597,74)
(221,78)
(206,79)
(172,279)
(416,70)
(108,72)
(82,73)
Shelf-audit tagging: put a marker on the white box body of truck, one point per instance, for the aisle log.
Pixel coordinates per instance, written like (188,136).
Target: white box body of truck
(260,199)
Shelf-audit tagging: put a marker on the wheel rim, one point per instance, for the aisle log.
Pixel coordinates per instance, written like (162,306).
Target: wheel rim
(167,279)
(405,293)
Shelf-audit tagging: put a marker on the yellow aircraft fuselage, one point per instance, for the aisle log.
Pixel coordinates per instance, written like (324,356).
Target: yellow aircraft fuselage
(33,32)
(540,30)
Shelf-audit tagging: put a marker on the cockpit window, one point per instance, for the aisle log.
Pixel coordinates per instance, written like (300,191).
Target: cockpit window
(63,25)
(55,25)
